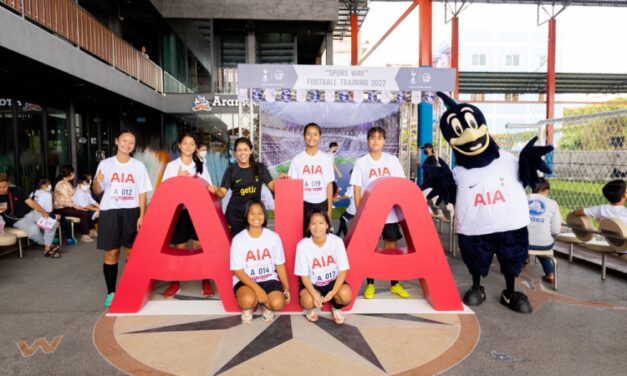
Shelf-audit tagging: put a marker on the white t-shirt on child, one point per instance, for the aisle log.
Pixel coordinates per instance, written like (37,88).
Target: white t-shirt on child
(322,264)
(44,199)
(123,183)
(367,170)
(607,211)
(83,198)
(172,170)
(316,172)
(258,257)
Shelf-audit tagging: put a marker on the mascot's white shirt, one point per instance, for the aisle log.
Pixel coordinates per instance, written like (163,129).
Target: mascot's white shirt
(490,199)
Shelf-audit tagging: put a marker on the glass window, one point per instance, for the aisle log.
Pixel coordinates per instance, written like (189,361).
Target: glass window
(232,51)
(477,97)
(29,143)
(542,60)
(82,145)
(57,141)
(7,147)
(512,60)
(512,97)
(478,59)
(276,48)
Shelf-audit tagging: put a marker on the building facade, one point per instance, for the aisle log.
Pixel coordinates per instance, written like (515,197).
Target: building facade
(74,73)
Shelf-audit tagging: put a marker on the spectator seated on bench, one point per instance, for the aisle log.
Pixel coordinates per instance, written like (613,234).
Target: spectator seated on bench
(616,194)
(23,213)
(545,222)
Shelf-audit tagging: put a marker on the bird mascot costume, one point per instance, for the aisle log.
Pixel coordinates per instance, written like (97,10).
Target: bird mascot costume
(487,188)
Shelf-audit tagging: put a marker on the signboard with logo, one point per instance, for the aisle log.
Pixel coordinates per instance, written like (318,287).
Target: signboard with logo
(321,77)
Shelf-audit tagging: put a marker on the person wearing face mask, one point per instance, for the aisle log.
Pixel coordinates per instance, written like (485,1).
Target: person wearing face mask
(83,198)
(65,206)
(22,212)
(202,151)
(42,195)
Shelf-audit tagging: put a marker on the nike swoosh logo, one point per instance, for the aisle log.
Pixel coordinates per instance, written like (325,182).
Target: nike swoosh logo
(506,300)
(472,186)
(237,181)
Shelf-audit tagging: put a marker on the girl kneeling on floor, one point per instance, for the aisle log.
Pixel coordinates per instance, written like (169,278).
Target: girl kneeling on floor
(258,264)
(322,263)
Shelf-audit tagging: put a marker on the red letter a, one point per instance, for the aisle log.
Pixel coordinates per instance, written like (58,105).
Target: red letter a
(153,259)
(425,257)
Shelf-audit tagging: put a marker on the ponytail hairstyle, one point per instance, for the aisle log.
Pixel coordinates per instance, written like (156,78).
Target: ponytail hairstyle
(197,161)
(252,162)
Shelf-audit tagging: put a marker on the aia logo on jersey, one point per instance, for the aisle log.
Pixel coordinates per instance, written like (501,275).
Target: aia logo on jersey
(312,170)
(257,255)
(322,262)
(489,199)
(122,178)
(379,172)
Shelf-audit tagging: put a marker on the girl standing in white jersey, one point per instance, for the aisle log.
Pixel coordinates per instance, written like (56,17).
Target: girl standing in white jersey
(372,166)
(188,164)
(124,182)
(315,168)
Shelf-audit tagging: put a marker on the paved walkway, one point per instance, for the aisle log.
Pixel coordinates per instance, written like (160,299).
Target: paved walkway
(51,322)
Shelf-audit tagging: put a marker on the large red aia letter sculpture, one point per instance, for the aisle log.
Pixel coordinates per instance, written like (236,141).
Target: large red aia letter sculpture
(153,259)
(424,258)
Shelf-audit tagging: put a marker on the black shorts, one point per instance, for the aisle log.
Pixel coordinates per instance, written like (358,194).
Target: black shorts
(235,219)
(324,206)
(391,232)
(510,247)
(117,228)
(184,229)
(323,290)
(267,286)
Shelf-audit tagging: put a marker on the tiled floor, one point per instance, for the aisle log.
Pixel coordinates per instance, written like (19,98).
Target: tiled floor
(51,322)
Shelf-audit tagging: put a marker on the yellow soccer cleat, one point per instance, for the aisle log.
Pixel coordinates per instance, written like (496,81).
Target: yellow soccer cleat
(399,290)
(369,292)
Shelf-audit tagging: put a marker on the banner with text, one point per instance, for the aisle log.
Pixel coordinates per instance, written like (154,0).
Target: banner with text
(325,77)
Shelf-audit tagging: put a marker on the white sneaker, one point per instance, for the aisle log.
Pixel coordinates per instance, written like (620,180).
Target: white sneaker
(267,315)
(247,316)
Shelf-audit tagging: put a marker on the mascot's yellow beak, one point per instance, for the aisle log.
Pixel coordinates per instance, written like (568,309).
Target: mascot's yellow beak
(472,141)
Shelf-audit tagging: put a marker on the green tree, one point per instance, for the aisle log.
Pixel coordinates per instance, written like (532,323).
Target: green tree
(608,133)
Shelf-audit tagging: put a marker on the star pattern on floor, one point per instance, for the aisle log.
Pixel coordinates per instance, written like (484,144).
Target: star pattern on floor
(248,341)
